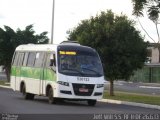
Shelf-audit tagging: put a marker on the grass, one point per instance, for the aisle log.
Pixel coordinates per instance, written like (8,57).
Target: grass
(3,82)
(134,97)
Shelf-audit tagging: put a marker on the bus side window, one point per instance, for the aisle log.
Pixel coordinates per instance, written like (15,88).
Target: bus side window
(25,59)
(51,61)
(14,62)
(20,59)
(39,59)
(14,58)
(31,59)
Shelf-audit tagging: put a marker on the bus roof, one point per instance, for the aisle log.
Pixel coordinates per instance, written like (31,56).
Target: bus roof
(49,47)
(37,47)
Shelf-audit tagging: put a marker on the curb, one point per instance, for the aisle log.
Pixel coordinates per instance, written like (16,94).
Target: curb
(5,86)
(131,103)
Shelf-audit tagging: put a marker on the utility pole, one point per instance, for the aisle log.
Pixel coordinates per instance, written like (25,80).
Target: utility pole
(52,29)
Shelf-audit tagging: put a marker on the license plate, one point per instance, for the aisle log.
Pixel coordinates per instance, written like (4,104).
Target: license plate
(83,90)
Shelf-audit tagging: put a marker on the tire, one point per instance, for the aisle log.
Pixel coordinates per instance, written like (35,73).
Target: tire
(27,96)
(92,102)
(24,94)
(31,96)
(51,99)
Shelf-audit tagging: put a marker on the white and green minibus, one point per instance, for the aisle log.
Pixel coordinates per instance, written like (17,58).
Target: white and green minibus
(65,71)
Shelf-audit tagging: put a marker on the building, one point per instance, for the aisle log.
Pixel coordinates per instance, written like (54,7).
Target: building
(151,71)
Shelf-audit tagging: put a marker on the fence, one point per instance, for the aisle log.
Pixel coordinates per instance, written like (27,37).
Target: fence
(147,75)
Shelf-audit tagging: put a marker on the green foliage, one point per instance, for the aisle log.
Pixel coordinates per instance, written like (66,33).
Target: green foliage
(120,45)
(4,83)
(151,7)
(10,39)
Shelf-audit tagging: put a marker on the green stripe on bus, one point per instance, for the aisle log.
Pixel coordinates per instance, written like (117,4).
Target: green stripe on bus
(35,73)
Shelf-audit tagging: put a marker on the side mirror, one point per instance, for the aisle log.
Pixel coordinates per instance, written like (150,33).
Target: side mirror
(52,62)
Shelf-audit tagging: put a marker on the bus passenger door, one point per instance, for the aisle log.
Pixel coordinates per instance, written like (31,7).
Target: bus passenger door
(39,66)
(18,71)
(49,70)
(42,82)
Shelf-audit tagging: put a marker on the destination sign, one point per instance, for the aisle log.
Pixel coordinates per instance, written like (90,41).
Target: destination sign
(67,53)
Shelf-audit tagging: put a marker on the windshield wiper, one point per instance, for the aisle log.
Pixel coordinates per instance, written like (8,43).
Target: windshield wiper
(74,70)
(92,71)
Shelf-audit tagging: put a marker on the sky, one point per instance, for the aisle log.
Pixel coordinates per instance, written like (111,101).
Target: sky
(67,14)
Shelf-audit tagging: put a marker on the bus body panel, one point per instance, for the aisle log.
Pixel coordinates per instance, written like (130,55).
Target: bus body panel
(79,80)
(36,79)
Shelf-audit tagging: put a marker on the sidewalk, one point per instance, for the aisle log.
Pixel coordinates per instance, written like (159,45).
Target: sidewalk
(2,76)
(130,86)
(133,87)
(137,83)
(5,86)
(131,103)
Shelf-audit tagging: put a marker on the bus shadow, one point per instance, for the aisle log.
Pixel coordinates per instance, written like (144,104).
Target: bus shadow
(44,100)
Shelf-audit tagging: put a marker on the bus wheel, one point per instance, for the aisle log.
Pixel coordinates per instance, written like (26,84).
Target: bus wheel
(92,102)
(51,99)
(27,96)
(31,96)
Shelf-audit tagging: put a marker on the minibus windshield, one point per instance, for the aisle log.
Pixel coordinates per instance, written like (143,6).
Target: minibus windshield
(78,63)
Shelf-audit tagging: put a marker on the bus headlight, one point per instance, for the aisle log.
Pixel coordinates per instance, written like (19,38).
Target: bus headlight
(100,85)
(63,83)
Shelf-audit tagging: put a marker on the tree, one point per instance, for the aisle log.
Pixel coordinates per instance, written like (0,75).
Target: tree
(152,9)
(119,44)
(10,39)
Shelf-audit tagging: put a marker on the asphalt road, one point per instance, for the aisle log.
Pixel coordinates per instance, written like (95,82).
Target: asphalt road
(12,103)
(2,76)
(141,88)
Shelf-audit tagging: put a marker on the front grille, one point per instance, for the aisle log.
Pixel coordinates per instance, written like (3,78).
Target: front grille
(97,94)
(66,92)
(88,89)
